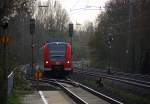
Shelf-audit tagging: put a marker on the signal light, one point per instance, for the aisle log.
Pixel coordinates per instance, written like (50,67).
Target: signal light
(70,29)
(32,26)
(68,62)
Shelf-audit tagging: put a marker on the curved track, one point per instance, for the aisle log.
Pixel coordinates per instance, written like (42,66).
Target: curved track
(131,81)
(80,93)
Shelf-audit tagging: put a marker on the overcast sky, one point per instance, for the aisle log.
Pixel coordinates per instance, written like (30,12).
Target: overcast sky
(81,11)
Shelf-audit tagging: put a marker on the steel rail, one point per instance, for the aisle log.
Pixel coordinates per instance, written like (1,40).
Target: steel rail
(76,98)
(100,95)
(126,74)
(135,74)
(124,78)
(130,79)
(72,95)
(116,79)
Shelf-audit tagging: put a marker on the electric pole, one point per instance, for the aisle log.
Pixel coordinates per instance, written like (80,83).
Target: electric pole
(71,34)
(130,51)
(3,70)
(32,31)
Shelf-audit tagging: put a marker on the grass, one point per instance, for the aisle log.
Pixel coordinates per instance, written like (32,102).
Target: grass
(15,98)
(21,88)
(128,96)
(17,94)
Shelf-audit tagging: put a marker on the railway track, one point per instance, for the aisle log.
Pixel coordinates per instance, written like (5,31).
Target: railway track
(133,76)
(116,73)
(80,93)
(131,81)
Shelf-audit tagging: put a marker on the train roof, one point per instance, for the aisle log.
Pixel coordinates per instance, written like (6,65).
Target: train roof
(57,42)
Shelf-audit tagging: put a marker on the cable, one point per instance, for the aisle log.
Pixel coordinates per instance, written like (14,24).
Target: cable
(100,8)
(86,5)
(75,4)
(88,8)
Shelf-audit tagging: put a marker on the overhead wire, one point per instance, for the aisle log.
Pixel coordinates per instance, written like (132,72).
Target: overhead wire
(87,7)
(98,7)
(76,3)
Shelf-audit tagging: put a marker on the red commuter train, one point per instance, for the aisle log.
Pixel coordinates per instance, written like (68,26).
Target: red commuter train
(57,58)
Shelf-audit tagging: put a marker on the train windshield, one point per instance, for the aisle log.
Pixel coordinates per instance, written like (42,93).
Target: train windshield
(57,51)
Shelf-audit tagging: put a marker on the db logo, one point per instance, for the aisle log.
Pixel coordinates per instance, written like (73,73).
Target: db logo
(57,63)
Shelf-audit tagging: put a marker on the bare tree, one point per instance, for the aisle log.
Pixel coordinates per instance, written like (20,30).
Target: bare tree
(125,23)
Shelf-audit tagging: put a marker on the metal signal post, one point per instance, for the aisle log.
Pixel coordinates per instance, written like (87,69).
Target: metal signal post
(109,43)
(71,30)
(71,34)
(4,40)
(32,31)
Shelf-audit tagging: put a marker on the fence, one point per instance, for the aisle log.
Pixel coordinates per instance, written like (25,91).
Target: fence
(10,83)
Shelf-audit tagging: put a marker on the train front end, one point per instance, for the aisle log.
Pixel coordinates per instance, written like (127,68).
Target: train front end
(57,59)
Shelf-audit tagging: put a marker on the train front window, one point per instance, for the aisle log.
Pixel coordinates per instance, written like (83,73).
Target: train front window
(57,51)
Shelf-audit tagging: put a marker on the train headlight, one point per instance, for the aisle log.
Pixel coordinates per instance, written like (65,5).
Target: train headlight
(68,62)
(46,62)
